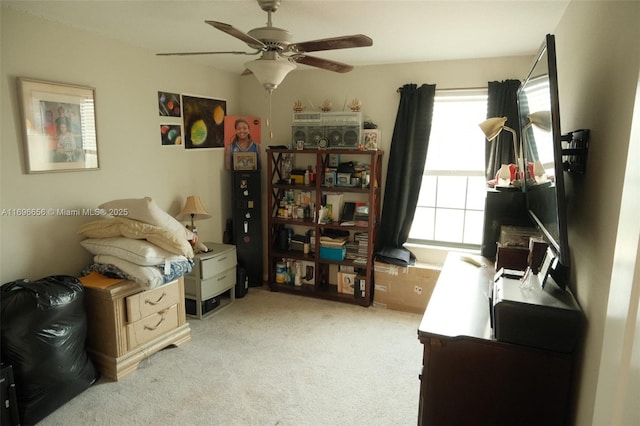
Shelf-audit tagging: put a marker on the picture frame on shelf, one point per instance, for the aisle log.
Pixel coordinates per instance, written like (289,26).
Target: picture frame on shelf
(329,178)
(58,126)
(370,139)
(245,161)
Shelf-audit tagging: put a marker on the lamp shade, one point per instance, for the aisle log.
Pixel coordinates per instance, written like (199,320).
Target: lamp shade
(492,127)
(269,70)
(193,209)
(541,119)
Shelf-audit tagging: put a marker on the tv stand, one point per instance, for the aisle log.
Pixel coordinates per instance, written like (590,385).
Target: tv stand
(468,377)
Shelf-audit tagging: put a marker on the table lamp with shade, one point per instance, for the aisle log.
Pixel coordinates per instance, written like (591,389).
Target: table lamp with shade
(492,127)
(194,210)
(542,121)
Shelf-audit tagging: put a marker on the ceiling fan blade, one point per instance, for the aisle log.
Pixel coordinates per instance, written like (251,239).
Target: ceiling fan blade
(322,63)
(234,32)
(207,53)
(343,42)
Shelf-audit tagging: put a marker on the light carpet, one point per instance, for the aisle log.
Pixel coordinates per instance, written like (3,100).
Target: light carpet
(270,359)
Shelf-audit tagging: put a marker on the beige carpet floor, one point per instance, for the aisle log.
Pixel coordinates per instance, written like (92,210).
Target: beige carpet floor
(270,359)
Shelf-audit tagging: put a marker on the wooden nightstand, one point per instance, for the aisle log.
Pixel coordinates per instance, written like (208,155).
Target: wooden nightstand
(213,274)
(127,324)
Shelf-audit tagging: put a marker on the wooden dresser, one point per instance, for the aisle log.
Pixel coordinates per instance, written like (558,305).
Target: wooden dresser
(470,378)
(127,324)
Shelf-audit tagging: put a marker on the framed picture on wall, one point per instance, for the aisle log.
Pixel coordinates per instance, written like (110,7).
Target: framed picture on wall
(203,120)
(58,126)
(171,134)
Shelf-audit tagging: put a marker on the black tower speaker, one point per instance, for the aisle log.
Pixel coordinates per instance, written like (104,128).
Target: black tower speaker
(247,223)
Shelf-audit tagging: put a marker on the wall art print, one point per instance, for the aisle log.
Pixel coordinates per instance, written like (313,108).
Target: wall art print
(242,134)
(59,126)
(169,104)
(171,134)
(203,120)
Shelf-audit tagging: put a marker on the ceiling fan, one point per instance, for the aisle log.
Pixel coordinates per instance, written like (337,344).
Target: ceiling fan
(278,54)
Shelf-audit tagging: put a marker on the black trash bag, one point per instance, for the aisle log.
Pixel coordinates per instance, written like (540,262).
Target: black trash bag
(44,329)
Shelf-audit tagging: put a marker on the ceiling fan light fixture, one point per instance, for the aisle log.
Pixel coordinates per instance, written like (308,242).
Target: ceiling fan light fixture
(270,72)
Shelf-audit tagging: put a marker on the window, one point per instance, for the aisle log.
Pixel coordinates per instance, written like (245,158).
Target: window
(450,207)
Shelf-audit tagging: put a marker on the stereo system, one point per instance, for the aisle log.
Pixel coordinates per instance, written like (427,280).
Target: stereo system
(341,130)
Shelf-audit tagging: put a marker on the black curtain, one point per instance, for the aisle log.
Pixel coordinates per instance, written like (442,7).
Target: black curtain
(407,157)
(502,102)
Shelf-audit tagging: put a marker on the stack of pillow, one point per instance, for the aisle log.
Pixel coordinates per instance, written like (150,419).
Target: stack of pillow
(138,241)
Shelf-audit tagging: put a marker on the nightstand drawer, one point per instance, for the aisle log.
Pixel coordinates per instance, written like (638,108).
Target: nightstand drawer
(152,326)
(215,285)
(150,302)
(214,265)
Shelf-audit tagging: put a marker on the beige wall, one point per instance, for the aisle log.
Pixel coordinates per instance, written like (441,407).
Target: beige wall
(598,63)
(133,163)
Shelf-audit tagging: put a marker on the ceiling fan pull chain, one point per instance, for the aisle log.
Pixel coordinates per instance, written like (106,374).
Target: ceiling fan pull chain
(269,119)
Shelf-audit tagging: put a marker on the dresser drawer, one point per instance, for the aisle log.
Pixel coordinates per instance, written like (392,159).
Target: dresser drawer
(214,265)
(150,302)
(154,325)
(215,285)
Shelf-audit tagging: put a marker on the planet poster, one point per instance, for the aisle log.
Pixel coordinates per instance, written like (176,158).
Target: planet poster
(203,122)
(171,134)
(168,104)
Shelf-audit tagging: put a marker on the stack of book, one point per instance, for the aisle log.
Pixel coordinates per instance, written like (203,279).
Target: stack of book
(353,248)
(362,239)
(326,241)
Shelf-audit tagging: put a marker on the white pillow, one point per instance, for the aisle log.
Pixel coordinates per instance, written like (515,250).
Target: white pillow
(147,276)
(140,252)
(147,211)
(135,229)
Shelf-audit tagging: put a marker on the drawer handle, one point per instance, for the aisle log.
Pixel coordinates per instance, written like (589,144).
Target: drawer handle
(222,278)
(148,327)
(149,302)
(222,258)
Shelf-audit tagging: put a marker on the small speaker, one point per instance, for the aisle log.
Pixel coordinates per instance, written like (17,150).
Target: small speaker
(315,134)
(335,136)
(351,137)
(343,137)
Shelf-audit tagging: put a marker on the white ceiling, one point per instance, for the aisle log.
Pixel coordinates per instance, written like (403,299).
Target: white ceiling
(402,31)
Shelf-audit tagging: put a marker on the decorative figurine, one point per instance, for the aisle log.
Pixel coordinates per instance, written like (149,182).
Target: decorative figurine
(326,105)
(355,105)
(298,106)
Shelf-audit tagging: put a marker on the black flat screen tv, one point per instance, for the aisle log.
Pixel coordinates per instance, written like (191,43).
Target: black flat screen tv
(539,115)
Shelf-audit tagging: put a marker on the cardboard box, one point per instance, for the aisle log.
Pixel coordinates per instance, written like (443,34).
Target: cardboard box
(405,289)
